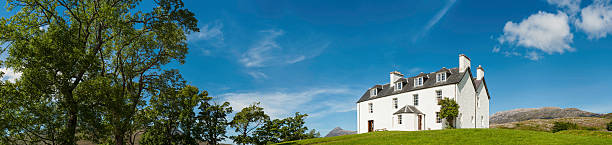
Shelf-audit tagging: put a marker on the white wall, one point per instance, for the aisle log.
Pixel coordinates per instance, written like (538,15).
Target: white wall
(483,107)
(383,109)
(466,100)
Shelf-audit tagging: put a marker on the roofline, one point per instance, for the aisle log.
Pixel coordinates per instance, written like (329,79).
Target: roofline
(409,91)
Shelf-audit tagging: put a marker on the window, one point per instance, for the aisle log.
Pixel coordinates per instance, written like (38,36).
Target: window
(399,119)
(416,99)
(395,103)
(438,119)
(478,102)
(398,86)
(374,92)
(418,81)
(371,107)
(482,121)
(440,77)
(473,122)
(439,95)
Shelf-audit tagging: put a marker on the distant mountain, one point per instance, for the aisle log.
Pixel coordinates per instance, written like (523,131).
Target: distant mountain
(339,131)
(538,113)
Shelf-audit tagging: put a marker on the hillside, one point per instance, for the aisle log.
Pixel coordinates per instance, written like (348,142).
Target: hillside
(339,132)
(538,113)
(591,123)
(460,136)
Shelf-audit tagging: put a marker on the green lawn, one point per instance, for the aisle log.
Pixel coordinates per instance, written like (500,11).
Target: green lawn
(460,136)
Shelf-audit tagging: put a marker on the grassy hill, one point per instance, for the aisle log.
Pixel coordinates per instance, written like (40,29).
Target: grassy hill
(587,123)
(464,136)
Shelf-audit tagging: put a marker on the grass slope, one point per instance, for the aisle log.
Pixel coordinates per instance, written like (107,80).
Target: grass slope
(459,136)
(592,123)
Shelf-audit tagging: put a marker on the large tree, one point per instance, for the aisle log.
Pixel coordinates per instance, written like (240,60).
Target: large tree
(60,45)
(212,121)
(246,121)
(171,119)
(282,130)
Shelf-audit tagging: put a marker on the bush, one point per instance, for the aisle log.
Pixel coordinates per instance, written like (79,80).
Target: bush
(560,126)
(609,126)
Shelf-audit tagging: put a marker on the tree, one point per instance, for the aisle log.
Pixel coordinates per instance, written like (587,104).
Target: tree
(287,129)
(449,110)
(247,120)
(212,122)
(58,45)
(171,116)
(294,129)
(609,126)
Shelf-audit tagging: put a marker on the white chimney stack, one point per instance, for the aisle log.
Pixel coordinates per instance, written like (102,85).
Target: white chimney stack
(464,63)
(394,76)
(479,73)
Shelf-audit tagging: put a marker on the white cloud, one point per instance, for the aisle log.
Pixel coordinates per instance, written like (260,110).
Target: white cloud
(268,51)
(9,74)
(496,49)
(549,33)
(208,32)
(259,54)
(596,19)
(280,104)
(570,6)
(257,75)
(297,59)
(435,19)
(532,55)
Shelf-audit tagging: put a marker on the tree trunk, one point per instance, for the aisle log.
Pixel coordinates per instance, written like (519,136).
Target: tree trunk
(119,138)
(72,120)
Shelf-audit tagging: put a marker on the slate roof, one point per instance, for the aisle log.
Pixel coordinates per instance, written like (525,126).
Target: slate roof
(453,77)
(408,109)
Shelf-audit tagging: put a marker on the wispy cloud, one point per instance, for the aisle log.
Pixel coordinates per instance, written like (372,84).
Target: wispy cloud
(257,74)
(435,19)
(280,104)
(209,38)
(270,51)
(208,31)
(260,53)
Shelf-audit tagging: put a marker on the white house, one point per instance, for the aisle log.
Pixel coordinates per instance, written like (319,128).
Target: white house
(410,103)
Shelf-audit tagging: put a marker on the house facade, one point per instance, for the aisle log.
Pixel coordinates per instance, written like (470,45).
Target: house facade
(411,103)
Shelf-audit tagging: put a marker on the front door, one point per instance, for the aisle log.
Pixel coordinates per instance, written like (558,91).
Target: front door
(370,125)
(420,121)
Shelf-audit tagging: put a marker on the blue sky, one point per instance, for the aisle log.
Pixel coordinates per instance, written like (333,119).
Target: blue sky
(319,56)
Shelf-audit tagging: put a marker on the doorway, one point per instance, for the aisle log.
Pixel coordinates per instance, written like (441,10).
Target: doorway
(420,121)
(370,125)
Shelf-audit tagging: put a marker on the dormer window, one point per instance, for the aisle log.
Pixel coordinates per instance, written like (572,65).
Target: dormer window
(418,81)
(398,86)
(440,77)
(374,92)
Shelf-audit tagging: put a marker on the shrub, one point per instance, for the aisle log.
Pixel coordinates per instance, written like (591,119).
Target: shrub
(609,126)
(560,126)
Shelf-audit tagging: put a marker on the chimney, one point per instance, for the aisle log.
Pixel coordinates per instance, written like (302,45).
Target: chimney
(479,73)
(464,63)
(394,76)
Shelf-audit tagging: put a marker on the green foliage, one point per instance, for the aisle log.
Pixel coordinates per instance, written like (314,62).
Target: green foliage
(449,110)
(171,117)
(288,129)
(66,48)
(559,126)
(245,121)
(609,126)
(212,122)
(462,136)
